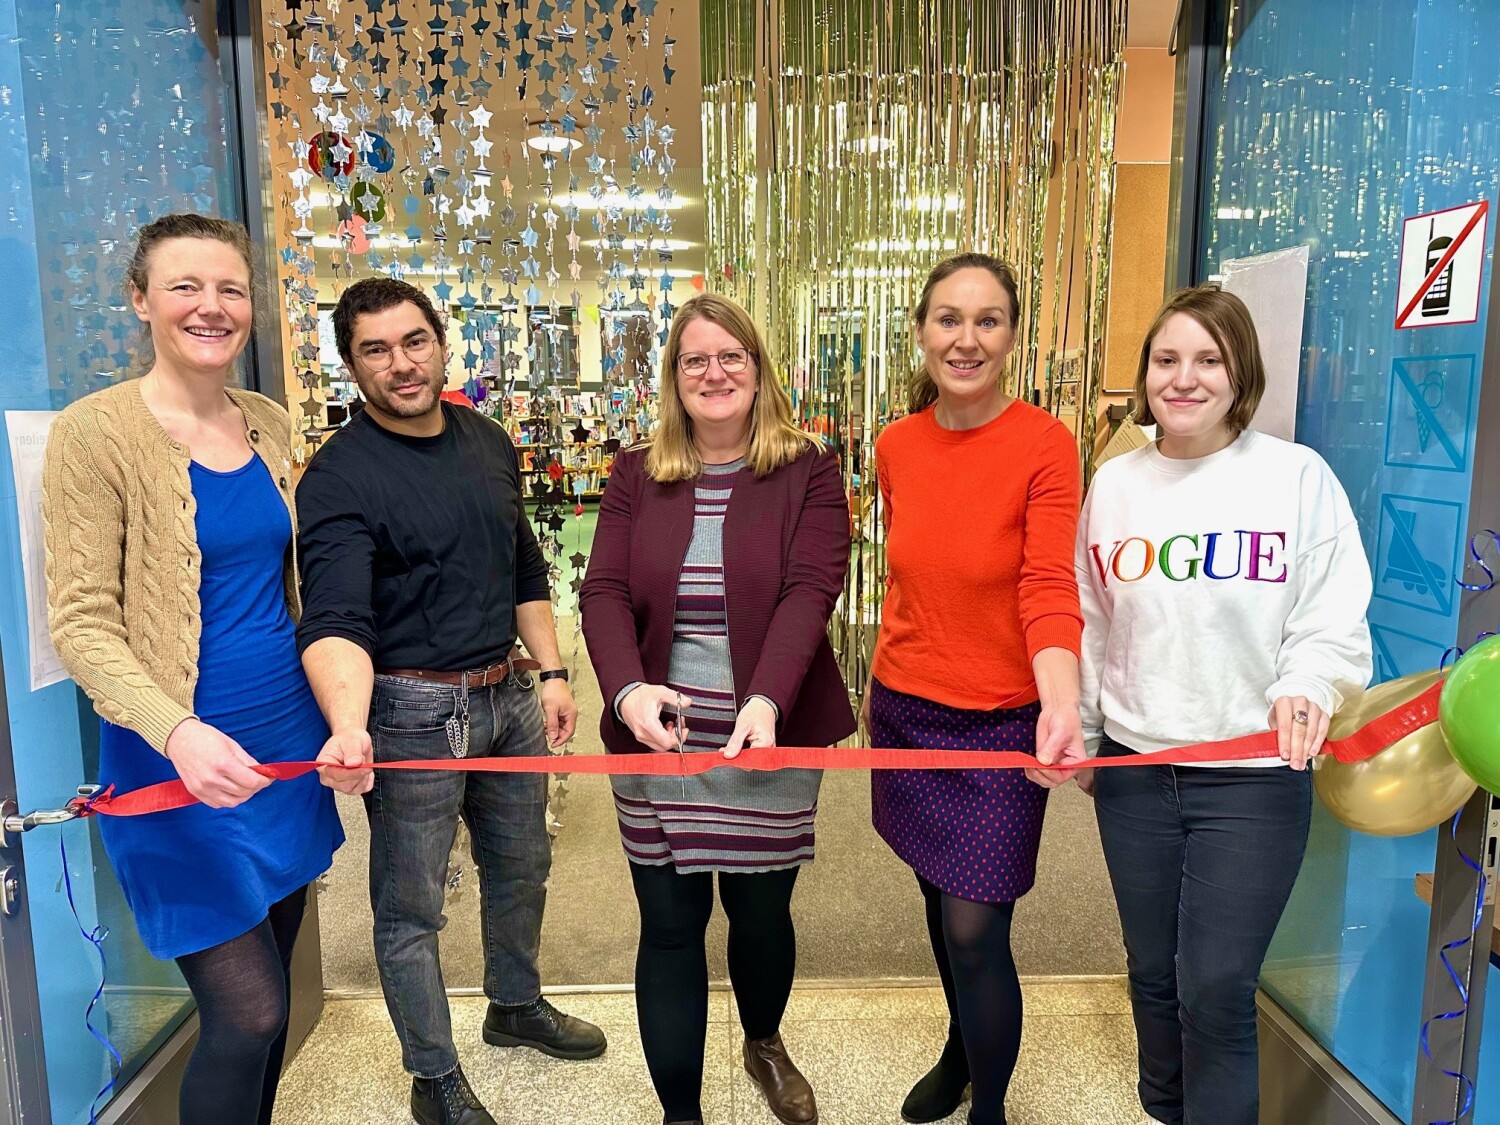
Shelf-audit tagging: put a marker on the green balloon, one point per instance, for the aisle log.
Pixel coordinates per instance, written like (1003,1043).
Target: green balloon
(1469,713)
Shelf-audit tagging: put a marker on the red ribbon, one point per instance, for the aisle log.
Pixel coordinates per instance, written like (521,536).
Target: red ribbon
(1364,743)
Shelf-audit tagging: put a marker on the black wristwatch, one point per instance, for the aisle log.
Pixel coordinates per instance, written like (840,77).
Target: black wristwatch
(553,674)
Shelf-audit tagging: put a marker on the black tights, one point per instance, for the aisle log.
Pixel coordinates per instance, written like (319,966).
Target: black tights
(671,968)
(242,988)
(971,941)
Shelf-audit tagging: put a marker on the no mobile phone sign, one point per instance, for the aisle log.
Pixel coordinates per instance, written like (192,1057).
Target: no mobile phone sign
(1442,264)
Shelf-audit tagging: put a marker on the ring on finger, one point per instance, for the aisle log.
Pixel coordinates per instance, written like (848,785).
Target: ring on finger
(1300,717)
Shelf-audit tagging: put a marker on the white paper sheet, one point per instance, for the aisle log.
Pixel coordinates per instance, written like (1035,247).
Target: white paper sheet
(1274,288)
(28,431)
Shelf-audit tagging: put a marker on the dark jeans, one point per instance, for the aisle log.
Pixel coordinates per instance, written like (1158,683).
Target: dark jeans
(413,818)
(1202,862)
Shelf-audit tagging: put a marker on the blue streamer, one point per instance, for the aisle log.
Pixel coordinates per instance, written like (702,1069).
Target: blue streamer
(1476,552)
(94,937)
(1458,983)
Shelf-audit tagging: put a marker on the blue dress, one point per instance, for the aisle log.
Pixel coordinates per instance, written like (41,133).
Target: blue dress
(197,877)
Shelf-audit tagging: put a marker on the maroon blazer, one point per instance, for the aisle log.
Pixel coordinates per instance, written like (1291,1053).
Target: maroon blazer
(786,548)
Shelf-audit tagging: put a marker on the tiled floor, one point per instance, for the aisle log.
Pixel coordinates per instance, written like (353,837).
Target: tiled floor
(861,1049)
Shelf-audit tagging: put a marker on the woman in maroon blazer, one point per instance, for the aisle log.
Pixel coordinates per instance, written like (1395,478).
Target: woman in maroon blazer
(720,551)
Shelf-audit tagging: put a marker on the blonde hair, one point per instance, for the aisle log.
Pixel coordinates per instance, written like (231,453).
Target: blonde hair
(1225,318)
(775,440)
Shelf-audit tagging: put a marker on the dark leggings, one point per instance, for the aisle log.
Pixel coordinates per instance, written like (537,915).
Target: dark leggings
(242,988)
(671,968)
(971,942)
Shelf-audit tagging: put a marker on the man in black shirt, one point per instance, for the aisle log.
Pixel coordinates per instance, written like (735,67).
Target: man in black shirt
(419,571)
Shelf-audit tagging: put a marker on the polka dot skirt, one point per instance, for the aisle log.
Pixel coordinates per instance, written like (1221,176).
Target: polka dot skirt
(973,834)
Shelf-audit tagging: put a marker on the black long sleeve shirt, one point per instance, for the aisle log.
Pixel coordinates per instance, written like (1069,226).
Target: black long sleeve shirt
(417,549)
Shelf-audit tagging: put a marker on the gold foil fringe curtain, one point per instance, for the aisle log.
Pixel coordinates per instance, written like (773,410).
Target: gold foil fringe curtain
(848,148)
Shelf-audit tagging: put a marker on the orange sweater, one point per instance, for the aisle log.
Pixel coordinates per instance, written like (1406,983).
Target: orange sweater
(980,556)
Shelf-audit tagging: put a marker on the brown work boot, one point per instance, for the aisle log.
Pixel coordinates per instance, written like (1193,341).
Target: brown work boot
(787,1093)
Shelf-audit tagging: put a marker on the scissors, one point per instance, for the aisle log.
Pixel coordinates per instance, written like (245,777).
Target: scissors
(677,729)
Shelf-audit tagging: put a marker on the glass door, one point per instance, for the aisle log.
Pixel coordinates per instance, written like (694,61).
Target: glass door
(1348,126)
(112,112)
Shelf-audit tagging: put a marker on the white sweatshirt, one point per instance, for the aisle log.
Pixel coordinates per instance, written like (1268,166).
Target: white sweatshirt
(1213,586)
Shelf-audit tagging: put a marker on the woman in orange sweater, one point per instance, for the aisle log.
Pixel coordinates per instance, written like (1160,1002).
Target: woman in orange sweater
(978,650)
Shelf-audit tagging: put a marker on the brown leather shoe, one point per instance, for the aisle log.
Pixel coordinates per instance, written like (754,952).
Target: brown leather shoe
(787,1093)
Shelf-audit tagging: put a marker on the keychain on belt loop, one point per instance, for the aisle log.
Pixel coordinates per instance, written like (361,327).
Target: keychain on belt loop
(457,726)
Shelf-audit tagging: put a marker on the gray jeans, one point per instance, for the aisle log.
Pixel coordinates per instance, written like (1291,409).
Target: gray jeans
(413,818)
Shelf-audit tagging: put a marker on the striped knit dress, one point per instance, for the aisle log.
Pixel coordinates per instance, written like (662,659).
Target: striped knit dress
(724,820)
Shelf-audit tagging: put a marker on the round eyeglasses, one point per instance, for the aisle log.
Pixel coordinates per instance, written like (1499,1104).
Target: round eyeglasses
(379,357)
(731,362)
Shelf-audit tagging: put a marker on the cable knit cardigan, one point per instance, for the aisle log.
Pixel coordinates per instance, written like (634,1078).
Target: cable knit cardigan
(122,552)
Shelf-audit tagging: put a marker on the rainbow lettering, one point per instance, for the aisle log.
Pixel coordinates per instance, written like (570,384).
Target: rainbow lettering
(1254,556)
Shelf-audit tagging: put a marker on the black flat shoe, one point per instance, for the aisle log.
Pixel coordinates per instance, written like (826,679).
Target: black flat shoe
(940,1091)
(543,1028)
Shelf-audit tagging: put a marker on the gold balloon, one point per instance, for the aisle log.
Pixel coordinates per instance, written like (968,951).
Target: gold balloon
(1409,787)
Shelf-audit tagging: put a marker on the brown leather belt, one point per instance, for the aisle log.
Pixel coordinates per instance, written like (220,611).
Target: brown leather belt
(482,677)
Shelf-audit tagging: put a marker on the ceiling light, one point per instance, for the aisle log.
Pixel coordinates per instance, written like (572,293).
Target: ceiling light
(867,140)
(335,242)
(859,272)
(884,244)
(948,202)
(640,244)
(549,140)
(644,202)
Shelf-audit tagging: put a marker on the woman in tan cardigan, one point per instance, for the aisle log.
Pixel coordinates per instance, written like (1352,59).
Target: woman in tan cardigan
(171,597)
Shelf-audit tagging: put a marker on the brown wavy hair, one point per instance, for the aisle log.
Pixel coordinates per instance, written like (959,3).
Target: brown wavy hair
(1225,318)
(922,392)
(186,224)
(775,439)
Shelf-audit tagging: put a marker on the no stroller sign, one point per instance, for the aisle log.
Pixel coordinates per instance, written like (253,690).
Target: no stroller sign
(1442,263)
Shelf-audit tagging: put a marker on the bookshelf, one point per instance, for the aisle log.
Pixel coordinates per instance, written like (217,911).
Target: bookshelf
(580,438)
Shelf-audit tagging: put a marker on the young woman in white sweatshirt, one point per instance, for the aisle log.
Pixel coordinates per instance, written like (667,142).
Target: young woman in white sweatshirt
(1224,589)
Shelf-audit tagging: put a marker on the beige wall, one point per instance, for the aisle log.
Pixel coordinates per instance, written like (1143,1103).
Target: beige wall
(1143,130)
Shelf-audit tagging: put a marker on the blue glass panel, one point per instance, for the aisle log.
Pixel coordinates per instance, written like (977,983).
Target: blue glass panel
(1328,124)
(112,112)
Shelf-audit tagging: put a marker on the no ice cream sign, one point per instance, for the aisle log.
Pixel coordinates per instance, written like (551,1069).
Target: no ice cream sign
(1442,263)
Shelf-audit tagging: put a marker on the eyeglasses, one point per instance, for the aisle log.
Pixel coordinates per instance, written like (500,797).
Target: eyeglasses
(379,357)
(695,364)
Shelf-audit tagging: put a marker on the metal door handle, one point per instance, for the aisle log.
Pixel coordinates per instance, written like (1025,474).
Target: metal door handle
(13,822)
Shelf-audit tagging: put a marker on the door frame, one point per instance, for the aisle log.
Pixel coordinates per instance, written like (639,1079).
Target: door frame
(150,1097)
